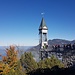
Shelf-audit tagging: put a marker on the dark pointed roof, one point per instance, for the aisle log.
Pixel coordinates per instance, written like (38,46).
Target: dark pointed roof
(43,24)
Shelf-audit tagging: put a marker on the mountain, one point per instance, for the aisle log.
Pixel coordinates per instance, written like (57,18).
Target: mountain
(60,41)
(35,50)
(52,42)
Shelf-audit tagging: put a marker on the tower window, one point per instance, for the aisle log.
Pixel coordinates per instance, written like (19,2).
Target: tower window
(44,37)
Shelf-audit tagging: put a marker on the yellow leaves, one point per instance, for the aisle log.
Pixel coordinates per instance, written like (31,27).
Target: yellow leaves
(13,70)
(6,68)
(10,65)
(9,62)
(11,55)
(20,67)
(4,58)
(15,59)
(1,68)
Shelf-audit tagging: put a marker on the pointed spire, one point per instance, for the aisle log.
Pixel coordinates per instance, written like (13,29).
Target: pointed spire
(43,24)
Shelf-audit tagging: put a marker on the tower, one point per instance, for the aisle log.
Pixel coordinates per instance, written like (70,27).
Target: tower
(43,31)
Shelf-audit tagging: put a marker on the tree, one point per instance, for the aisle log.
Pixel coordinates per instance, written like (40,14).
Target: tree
(50,62)
(11,57)
(10,64)
(28,62)
(56,62)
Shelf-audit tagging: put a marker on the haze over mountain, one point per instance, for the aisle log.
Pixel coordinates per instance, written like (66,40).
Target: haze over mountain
(53,42)
(21,49)
(35,50)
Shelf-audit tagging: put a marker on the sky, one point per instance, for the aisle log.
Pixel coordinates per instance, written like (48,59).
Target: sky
(20,20)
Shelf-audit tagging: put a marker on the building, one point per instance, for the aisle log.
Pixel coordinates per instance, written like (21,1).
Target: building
(43,31)
(66,53)
(43,41)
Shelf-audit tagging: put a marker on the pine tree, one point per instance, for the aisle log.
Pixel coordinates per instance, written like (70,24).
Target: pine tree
(28,62)
(50,62)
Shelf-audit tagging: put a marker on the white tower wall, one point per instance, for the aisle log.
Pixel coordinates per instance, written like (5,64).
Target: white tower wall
(43,31)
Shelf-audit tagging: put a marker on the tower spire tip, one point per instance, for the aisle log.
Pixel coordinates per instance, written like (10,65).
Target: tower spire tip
(42,14)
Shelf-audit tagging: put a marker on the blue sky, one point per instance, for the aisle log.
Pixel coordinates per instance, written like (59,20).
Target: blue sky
(20,20)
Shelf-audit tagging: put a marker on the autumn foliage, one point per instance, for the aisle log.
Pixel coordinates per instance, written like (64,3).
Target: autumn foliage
(11,57)
(10,62)
(12,65)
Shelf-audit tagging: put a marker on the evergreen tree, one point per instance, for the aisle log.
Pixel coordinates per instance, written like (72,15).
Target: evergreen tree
(28,62)
(56,62)
(50,62)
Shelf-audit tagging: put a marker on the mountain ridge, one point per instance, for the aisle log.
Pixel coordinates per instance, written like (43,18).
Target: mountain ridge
(35,50)
(54,42)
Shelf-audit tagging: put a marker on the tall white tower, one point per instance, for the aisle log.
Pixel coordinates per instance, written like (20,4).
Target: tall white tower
(43,30)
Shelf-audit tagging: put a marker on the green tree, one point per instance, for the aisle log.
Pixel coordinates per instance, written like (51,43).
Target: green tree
(28,62)
(50,62)
(56,62)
